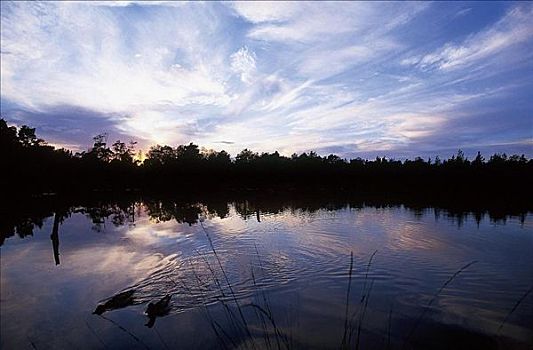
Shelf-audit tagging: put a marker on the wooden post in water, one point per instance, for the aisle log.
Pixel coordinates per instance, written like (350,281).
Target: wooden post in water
(55,237)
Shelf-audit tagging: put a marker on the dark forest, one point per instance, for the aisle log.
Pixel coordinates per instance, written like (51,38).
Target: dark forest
(31,166)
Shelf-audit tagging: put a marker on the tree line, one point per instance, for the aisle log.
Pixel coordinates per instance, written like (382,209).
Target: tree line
(31,165)
(23,216)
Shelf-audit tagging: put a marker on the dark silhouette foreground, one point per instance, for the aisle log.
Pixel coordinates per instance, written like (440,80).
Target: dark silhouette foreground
(30,166)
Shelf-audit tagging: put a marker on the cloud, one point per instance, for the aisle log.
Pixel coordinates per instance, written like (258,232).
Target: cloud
(293,76)
(111,78)
(69,54)
(462,12)
(69,126)
(514,28)
(124,3)
(243,63)
(265,11)
(310,22)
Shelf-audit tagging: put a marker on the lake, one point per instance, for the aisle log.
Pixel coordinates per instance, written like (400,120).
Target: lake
(267,274)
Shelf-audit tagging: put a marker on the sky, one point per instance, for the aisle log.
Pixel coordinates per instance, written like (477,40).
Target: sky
(358,79)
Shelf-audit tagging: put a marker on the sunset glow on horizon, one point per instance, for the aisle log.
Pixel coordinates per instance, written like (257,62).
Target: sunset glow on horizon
(396,79)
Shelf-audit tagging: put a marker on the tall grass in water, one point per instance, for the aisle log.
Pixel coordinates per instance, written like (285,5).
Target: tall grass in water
(518,302)
(350,322)
(389,328)
(266,311)
(228,312)
(343,343)
(123,329)
(263,329)
(365,297)
(272,335)
(239,322)
(426,308)
(217,328)
(241,314)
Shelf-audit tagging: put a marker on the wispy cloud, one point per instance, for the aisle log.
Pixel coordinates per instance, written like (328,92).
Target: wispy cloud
(294,76)
(514,28)
(243,63)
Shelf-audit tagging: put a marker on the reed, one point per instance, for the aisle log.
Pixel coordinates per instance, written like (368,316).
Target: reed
(426,308)
(96,335)
(363,304)
(239,308)
(389,328)
(279,335)
(229,314)
(123,329)
(347,308)
(518,302)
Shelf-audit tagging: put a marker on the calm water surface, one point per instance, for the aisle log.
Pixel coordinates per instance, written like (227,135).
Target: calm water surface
(246,277)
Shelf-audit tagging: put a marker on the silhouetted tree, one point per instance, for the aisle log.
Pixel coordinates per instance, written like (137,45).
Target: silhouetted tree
(100,151)
(123,153)
(245,157)
(160,155)
(30,165)
(27,138)
(479,160)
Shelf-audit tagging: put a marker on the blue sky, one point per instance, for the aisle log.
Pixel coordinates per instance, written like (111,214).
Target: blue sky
(396,79)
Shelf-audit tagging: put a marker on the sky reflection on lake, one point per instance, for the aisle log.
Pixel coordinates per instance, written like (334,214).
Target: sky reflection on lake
(293,262)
